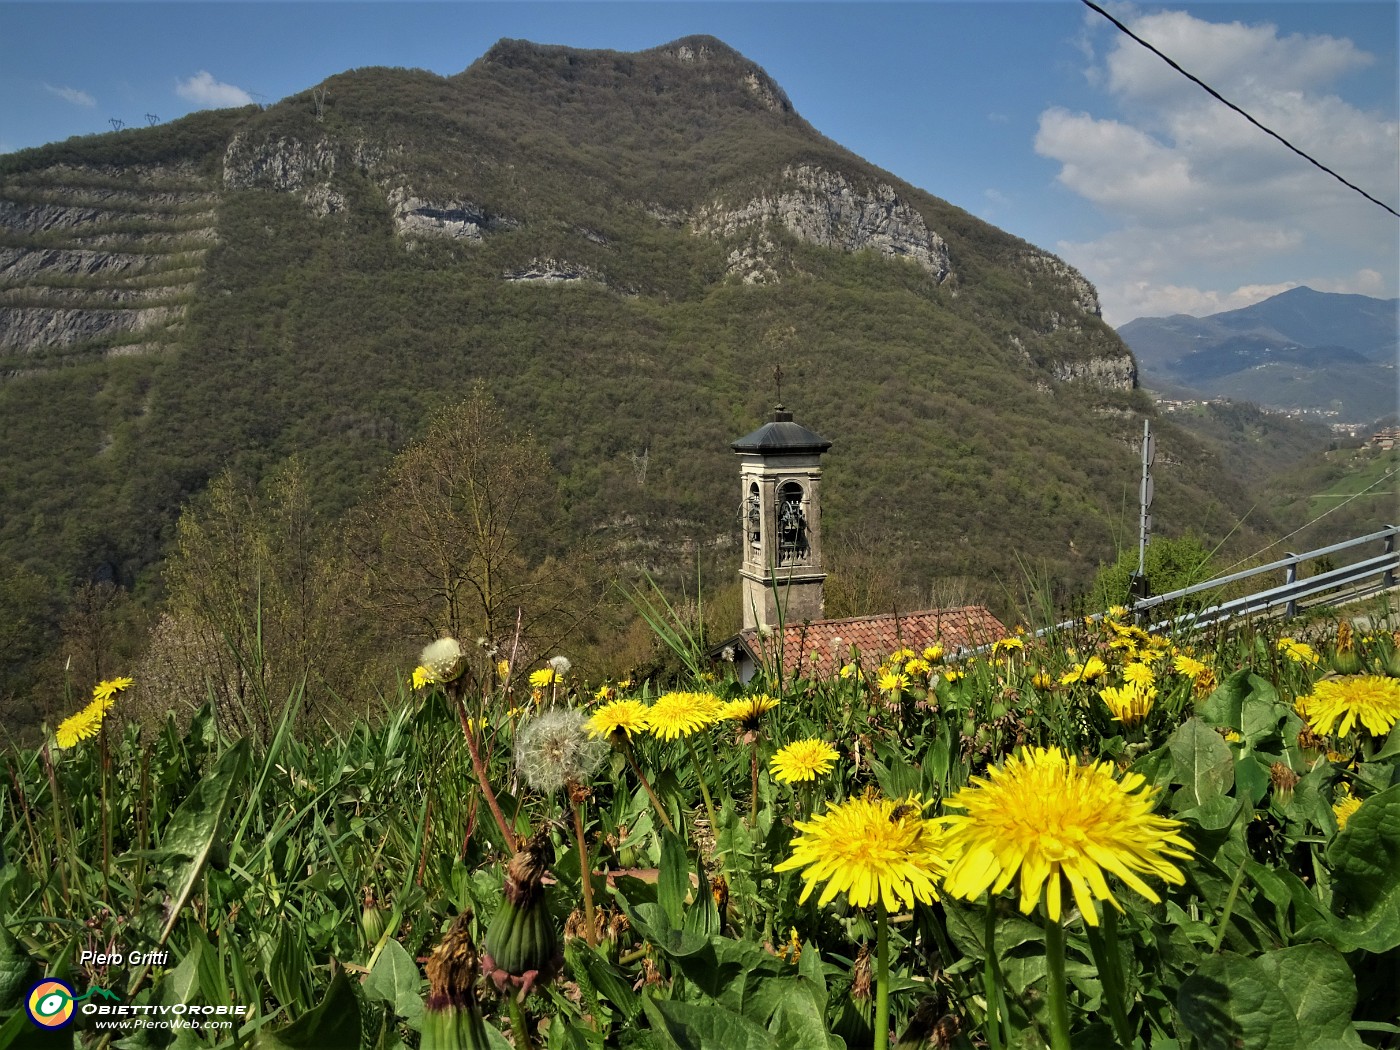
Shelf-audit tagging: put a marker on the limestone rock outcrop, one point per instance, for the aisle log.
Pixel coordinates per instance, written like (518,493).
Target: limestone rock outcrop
(828,209)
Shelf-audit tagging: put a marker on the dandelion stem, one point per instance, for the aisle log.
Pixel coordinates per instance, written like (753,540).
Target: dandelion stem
(882,977)
(753,801)
(585,868)
(646,784)
(519,1027)
(992,986)
(1056,989)
(704,789)
(483,780)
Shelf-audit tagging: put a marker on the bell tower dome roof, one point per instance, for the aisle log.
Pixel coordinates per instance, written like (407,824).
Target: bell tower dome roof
(781,435)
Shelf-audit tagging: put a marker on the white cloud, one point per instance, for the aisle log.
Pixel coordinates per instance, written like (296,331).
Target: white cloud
(1211,212)
(203,90)
(73,95)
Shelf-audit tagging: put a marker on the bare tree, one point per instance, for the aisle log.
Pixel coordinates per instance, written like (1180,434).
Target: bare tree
(463,537)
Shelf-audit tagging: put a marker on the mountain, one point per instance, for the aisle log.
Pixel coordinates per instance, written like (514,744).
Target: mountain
(622,247)
(1300,349)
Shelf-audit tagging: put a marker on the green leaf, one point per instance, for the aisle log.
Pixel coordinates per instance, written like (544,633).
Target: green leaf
(1230,1003)
(195,831)
(334,1024)
(395,979)
(17,971)
(673,882)
(1365,863)
(704,1026)
(1224,706)
(606,980)
(800,1020)
(1320,987)
(1298,998)
(1202,763)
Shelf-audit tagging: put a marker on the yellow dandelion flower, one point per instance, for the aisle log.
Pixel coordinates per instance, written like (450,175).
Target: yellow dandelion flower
(1042,680)
(1043,817)
(1129,703)
(849,671)
(545,676)
(1345,805)
(1092,668)
(802,760)
(620,716)
(933,653)
(748,710)
(1371,700)
(871,849)
(954,675)
(81,726)
(503,669)
(892,680)
(901,654)
(1139,674)
(681,714)
(1298,652)
(918,666)
(605,693)
(421,677)
(1188,665)
(1118,611)
(1006,646)
(107,690)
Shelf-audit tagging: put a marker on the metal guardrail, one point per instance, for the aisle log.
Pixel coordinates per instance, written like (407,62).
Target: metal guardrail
(1367,576)
(1359,579)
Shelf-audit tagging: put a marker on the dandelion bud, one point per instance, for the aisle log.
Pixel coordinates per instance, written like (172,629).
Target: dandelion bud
(452,1019)
(522,948)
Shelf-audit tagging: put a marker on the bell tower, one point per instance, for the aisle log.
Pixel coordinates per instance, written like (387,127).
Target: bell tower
(780,498)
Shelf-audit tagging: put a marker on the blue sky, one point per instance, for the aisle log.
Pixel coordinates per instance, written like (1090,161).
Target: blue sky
(1037,116)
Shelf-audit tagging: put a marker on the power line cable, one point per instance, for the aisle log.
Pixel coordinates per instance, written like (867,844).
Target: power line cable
(1221,98)
(1357,495)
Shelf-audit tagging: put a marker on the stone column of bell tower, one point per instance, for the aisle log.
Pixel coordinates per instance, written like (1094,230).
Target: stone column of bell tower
(780,495)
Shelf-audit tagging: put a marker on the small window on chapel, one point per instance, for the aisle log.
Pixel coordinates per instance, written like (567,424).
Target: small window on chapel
(753,518)
(792,524)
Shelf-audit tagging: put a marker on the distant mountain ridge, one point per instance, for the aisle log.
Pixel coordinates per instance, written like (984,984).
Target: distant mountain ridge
(1300,349)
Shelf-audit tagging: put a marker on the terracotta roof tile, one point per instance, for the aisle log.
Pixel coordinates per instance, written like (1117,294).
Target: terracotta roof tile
(875,637)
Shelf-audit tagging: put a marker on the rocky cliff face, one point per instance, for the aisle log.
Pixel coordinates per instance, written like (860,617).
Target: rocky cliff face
(100,259)
(827,209)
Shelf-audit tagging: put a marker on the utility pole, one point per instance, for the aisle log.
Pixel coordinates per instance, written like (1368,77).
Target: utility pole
(1138,587)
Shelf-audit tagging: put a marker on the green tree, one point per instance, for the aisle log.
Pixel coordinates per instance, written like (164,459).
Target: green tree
(1169,565)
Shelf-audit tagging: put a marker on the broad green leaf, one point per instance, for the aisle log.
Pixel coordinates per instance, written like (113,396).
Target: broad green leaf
(333,1024)
(799,1021)
(194,833)
(1298,998)
(1230,1003)
(673,882)
(1320,987)
(1202,763)
(704,1026)
(1223,707)
(395,979)
(17,971)
(1365,863)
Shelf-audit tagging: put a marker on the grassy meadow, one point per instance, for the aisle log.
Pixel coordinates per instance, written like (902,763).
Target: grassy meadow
(1100,838)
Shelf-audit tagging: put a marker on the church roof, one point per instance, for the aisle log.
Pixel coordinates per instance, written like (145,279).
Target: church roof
(818,649)
(782,435)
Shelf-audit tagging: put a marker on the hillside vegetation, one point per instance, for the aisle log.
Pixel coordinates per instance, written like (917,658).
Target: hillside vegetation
(621,248)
